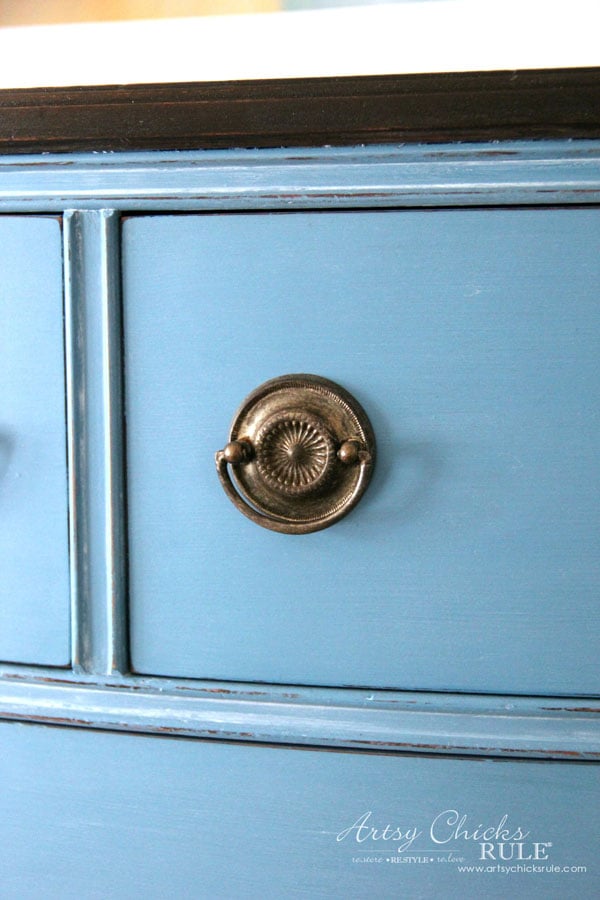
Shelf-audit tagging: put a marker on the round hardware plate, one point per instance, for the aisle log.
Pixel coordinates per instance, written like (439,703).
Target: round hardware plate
(301,452)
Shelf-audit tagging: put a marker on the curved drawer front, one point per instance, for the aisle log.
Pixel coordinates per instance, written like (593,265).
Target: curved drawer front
(472,339)
(196,819)
(34,587)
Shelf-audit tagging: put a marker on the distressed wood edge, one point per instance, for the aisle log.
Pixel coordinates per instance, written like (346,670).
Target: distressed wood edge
(455,106)
(511,173)
(465,725)
(99,630)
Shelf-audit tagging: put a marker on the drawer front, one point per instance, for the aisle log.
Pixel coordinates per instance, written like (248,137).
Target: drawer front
(34,588)
(472,338)
(91,815)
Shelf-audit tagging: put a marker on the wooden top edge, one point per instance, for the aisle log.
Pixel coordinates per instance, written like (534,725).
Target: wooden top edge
(319,86)
(461,106)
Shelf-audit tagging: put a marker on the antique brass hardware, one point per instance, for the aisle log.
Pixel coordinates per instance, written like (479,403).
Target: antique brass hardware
(301,452)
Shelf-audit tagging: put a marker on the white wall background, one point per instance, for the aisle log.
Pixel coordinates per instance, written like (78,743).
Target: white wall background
(434,36)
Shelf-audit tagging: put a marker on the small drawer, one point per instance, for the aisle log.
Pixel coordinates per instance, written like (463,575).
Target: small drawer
(34,588)
(472,339)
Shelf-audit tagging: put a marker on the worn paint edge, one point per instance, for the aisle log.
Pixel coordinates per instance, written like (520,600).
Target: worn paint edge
(98,604)
(77,438)
(117,651)
(314,717)
(498,173)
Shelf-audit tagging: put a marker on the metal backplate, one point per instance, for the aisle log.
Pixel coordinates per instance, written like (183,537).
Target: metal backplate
(301,450)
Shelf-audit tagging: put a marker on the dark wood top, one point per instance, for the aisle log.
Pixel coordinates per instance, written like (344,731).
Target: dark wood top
(468,106)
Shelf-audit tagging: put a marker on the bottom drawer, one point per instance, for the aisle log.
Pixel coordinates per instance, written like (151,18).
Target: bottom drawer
(85,814)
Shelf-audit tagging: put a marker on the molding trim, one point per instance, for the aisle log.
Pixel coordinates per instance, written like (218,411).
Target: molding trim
(548,172)
(384,721)
(93,368)
(463,106)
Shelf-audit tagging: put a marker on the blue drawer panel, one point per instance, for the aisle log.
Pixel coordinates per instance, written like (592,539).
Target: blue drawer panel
(34,587)
(92,815)
(472,338)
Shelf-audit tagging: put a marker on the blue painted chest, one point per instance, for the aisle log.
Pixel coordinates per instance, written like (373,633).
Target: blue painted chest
(401,704)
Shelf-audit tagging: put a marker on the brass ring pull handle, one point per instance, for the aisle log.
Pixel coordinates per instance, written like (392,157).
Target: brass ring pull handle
(301,452)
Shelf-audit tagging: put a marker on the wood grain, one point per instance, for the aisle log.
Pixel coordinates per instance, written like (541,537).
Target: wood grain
(471,106)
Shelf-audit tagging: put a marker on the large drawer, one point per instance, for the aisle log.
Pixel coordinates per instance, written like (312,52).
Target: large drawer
(472,338)
(90,815)
(34,561)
